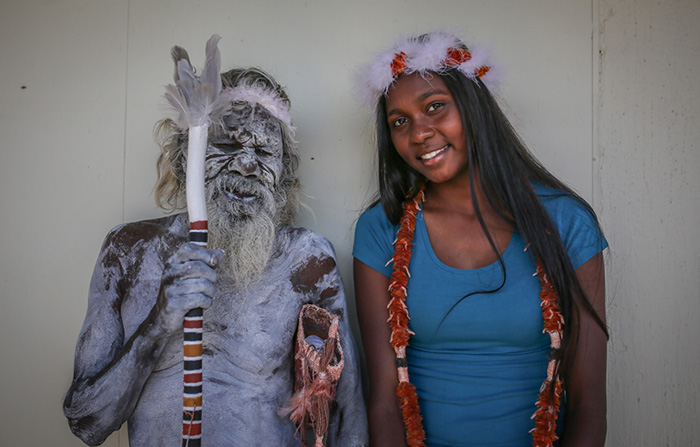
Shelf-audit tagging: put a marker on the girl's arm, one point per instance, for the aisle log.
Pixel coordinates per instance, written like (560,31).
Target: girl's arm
(386,428)
(585,382)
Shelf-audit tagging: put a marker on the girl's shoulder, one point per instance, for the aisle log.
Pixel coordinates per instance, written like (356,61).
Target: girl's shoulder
(375,219)
(561,204)
(576,222)
(374,237)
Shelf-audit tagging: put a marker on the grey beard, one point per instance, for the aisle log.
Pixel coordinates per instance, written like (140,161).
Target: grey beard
(248,241)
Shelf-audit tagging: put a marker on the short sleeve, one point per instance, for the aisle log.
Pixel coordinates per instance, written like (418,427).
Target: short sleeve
(374,237)
(578,227)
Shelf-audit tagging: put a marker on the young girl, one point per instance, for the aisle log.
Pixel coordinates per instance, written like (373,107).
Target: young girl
(495,262)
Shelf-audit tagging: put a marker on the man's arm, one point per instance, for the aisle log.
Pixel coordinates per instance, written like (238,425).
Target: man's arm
(348,421)
(109,371)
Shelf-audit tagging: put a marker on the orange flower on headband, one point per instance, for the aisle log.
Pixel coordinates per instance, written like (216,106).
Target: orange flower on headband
(398,65)
(456,56)
(482,71)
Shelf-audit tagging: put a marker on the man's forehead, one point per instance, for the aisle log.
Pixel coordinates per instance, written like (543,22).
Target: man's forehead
(250,115)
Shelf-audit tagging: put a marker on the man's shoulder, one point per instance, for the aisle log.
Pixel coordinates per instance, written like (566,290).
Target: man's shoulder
(295,238)
(131,234)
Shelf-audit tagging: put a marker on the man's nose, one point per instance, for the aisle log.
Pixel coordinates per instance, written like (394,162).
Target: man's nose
(245,164)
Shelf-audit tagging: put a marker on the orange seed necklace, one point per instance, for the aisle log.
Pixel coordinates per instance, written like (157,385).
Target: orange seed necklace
(547,406)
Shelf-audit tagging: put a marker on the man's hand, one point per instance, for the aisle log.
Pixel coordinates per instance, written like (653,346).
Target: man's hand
(187,283)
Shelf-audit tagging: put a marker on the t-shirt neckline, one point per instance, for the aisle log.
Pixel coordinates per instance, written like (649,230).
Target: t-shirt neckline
(423,232)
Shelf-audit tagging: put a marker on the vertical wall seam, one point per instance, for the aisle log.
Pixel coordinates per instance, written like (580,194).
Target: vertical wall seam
(126,104)
(595,103)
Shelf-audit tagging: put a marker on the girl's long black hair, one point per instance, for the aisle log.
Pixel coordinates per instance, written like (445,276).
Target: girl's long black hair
(506,171)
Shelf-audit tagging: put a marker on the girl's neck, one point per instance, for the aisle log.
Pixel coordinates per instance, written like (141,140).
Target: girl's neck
(456,195)
(458,236)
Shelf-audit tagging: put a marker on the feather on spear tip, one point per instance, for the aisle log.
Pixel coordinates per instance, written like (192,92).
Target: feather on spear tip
(196,100)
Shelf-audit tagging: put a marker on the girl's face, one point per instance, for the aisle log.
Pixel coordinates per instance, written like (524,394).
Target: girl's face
(426,127)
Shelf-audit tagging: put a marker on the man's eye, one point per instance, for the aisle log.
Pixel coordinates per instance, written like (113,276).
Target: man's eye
(226,147)
(264,150)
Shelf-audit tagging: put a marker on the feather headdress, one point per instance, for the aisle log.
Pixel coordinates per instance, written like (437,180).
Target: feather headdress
(437,52)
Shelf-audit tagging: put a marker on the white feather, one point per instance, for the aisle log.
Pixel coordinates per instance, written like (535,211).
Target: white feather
(429,54)
(196,100)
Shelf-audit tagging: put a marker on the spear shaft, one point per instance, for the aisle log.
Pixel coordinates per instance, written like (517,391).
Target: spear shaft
(194,322)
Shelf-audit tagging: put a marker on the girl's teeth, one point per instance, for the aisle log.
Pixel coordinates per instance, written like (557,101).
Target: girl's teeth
(432,154)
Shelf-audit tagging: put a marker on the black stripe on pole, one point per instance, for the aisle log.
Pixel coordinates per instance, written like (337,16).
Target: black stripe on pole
(196,389)
(193,365)
(187,415)
(193,336)
(198,237)
(197,312)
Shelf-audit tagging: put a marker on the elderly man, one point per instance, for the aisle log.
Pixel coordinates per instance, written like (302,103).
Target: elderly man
(128,363)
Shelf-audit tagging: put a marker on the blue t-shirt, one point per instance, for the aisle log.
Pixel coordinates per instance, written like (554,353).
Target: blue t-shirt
(479,374)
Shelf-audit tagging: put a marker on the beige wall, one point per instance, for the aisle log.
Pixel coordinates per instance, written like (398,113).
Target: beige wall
(603,92)
(648,166)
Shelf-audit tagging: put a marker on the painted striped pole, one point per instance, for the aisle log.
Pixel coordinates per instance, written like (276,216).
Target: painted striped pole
(194,322)
(197,102)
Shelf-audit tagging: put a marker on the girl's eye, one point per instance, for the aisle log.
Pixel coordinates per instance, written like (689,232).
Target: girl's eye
(398,122)
(435,106)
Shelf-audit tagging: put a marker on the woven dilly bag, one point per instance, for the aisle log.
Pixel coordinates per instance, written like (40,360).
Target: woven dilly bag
(318,363)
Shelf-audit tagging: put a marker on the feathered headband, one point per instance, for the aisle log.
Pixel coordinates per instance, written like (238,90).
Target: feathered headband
(268,99)
(436,52)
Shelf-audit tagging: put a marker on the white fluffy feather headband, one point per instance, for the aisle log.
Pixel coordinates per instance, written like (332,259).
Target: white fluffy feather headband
(436,52)
(253,94)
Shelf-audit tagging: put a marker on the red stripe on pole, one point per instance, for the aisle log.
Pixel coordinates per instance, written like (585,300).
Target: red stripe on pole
(199,225)
(193,324)
(193,429)
(193,377)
